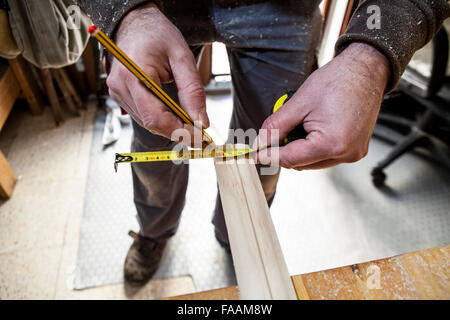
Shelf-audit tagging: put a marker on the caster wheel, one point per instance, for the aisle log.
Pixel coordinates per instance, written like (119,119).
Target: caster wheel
(378,177)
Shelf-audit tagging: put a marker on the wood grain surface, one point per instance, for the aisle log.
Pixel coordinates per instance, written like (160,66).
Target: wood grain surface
(260,267)
(418,275)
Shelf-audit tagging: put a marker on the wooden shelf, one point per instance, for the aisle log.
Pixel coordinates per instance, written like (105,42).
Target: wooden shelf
(9,91)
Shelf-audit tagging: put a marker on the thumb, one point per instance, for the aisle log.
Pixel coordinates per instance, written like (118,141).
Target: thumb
(190,89)
(278,125)
(298,153)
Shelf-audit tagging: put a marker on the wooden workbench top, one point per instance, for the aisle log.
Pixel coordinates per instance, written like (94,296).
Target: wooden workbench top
(417,275)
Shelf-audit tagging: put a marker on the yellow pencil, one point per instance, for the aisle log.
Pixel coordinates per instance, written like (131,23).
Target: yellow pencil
(145,79)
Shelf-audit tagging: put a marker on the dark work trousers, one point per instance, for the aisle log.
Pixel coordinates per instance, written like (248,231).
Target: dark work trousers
(271,47)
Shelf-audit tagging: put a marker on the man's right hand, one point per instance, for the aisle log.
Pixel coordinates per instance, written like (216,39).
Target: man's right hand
(159,49)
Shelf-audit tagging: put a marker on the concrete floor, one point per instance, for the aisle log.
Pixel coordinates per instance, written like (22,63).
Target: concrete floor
(40,223)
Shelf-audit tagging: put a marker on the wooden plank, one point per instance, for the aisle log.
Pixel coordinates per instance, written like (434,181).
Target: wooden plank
(89,65)
(260,267)
(347,16)
(27,82)
(418,275)
(430,272)
(341,283)
(79,81)
(300,289)
(7,178)
(394,280)
(324,9)
(65,91)
(228,293)
(270,250)
(336,14)
(51,95)
(354,282)
(9,91)
(69,85)
(244,247)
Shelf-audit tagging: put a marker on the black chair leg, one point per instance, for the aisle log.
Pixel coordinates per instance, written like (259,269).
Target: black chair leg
(440,151)
(407,144)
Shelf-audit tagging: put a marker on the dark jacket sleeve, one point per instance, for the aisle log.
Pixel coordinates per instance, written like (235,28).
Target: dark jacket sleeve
(405,27)
(106,14)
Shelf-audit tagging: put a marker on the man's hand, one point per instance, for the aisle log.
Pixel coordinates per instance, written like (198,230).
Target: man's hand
(158,47)
(338,106)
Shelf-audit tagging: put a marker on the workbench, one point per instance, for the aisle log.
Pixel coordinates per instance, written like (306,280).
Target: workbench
(418,275)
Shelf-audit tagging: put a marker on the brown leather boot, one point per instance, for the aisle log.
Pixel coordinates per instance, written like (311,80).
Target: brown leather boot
(142,259)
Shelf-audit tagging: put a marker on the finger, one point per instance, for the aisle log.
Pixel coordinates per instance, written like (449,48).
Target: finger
(127,108)
(193,137)
(190,89)
(154,115)
(119,92)
(160,120)
(278,125)
(300,152)
(319,165)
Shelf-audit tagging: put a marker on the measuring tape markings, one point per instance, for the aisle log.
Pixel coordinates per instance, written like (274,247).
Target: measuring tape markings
(179,155)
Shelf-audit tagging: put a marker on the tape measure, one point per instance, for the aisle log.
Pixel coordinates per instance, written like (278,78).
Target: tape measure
(299,132)
(225,151)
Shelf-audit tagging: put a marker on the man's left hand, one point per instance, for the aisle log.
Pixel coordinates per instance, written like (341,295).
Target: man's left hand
(338,106)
